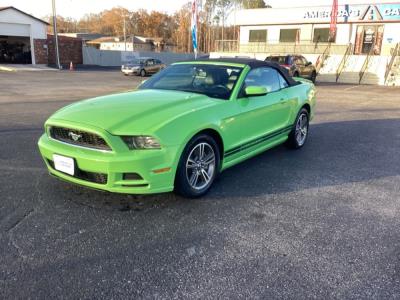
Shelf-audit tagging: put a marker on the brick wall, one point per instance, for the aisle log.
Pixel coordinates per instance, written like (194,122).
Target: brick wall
(40,46)
(70,49)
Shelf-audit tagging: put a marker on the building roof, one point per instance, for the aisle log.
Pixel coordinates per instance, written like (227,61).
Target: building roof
(104,39)
(82,35)
(22,12)
(115,39)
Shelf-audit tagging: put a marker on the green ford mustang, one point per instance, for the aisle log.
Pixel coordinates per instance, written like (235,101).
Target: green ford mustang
(180,128)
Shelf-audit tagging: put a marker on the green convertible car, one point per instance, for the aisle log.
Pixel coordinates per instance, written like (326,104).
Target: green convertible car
(180,128)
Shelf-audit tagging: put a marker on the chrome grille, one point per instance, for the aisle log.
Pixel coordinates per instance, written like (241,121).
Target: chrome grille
(79,138)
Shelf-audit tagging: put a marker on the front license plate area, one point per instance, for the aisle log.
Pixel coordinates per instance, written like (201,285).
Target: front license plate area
(64,164)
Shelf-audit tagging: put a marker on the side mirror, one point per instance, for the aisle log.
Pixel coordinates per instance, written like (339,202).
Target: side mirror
(253,91)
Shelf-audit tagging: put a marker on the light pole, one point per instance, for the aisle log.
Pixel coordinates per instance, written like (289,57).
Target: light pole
(55,34)
(125,32)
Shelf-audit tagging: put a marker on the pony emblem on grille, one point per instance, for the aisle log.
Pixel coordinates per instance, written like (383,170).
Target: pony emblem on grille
(74,136)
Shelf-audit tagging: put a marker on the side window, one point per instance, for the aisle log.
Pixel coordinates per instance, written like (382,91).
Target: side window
(266,77)
(304,60)
(150,62)
(298,60)
(282,81)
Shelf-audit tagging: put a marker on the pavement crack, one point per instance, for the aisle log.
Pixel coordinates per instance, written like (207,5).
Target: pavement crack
(37,189)
(19,221)
(18,248)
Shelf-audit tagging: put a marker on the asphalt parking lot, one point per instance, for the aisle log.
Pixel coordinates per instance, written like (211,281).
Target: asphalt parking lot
(322,222)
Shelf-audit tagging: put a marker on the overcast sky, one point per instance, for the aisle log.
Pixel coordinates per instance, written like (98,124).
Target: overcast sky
(77,8)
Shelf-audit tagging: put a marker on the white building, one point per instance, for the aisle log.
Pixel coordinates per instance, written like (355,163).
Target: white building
(19,32)
(366,48)
(364,26)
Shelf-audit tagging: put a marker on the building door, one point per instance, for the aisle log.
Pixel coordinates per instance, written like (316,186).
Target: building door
(369,39)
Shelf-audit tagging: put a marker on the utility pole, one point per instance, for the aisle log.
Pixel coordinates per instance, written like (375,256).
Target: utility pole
(55,35)
(125,32)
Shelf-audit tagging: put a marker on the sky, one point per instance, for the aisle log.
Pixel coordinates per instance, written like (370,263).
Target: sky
(78,8)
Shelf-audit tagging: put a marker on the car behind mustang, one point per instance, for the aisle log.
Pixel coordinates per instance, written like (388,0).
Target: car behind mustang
(180,128)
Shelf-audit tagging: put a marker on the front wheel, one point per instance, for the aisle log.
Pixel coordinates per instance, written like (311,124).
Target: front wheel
(142,73)
(299,134)
(198,167)
(313,76)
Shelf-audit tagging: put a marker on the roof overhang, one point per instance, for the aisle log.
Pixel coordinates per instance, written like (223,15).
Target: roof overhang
(24,13)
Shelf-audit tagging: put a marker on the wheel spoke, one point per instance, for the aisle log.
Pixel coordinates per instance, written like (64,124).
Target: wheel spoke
(209,159)
(205,175)
(194,179)
(190,164)
(302,121)
(201,151)
(298,136)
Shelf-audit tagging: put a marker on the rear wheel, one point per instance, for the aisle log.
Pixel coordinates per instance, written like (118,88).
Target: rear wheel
(299,134)
(296,74)
(313,76)
(198,167)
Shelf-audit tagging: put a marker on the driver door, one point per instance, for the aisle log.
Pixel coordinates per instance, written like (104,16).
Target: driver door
(261,118)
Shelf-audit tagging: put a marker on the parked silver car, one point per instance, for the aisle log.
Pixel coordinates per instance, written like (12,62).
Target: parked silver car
(142,66)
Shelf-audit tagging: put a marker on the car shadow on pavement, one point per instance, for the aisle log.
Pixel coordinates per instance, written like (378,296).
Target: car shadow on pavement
(335,153)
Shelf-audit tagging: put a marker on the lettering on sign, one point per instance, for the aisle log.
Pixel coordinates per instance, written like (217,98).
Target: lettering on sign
(359,13)
(392,12)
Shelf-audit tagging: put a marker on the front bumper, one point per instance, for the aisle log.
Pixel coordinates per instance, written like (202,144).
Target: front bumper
(104,170)
(130,71)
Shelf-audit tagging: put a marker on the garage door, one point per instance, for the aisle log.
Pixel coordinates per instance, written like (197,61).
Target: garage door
(15,44)
(15,50)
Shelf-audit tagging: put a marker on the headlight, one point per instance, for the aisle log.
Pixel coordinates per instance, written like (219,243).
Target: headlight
(141,142)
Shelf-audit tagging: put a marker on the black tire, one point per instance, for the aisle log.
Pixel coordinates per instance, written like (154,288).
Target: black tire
(183,186)
(142,72)
(296,74)
(293,141)
(313,76)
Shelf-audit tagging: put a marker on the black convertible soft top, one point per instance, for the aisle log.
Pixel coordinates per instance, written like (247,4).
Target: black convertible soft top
(254,63)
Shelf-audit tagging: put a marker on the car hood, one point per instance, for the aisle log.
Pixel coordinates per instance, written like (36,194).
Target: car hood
(135,112)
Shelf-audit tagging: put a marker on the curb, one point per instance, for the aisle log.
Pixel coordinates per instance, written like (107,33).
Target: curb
(6,69)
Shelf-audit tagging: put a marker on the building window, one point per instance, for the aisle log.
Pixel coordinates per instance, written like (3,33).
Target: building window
(258,36)
(321,35)
(289,35)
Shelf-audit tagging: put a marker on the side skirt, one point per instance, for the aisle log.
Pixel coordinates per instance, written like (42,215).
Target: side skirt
(258,145)
(256,151)
(257,141)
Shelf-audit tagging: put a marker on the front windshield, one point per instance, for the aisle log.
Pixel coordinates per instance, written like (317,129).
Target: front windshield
(212,80)
(136,62)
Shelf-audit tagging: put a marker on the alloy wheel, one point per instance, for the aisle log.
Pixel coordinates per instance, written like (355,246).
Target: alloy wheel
(301,129)
(200,166)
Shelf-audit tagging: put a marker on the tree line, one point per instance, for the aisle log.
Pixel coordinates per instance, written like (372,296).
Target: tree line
(174,28)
